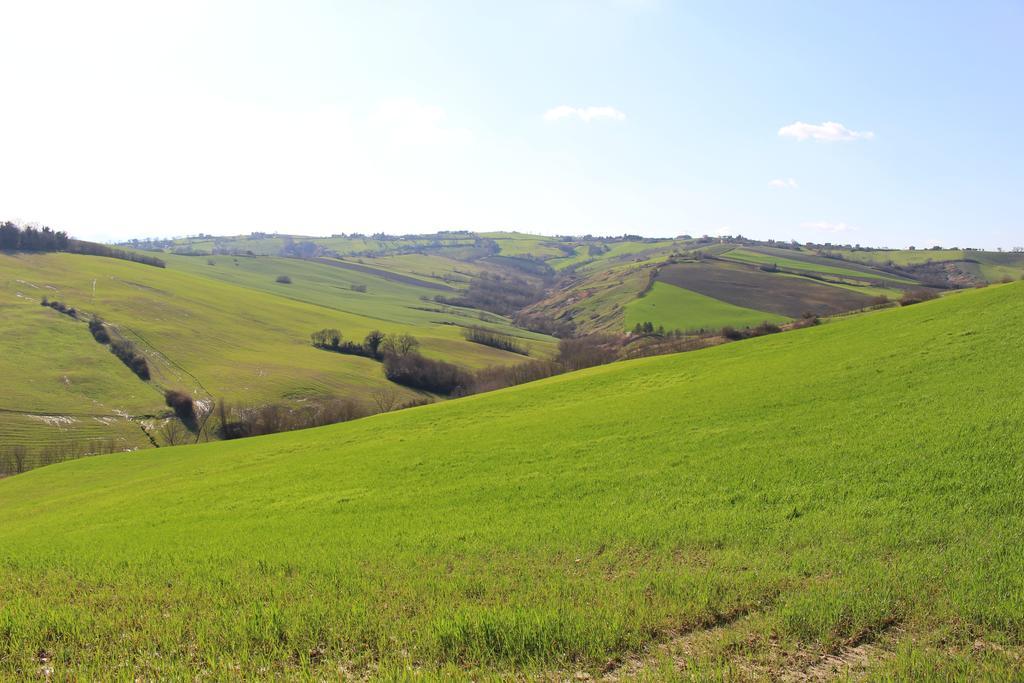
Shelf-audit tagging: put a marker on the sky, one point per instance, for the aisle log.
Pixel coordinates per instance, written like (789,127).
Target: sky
(875,123)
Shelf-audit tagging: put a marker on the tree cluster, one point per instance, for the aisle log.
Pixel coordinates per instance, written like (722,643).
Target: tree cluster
(436,376)
(13,238)
(376,344)
(183,406)
(497,294)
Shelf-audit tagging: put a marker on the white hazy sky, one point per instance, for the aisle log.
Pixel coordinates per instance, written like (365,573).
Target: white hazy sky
(876,123)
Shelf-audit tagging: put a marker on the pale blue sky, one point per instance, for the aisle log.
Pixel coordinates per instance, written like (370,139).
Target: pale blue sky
(663,118)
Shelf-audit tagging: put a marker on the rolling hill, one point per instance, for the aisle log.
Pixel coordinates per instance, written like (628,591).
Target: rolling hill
(970,264)
(229,318)
(672,307)
(838,498)
(219,328)
(591,282)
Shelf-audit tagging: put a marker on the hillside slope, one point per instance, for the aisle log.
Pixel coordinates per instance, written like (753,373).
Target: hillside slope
(596,284)
(222,331)
(756,507)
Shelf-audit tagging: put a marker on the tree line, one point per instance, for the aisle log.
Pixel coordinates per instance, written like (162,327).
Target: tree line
(29,238)
(506,342)
(375,344)
(18,458)
(403,364)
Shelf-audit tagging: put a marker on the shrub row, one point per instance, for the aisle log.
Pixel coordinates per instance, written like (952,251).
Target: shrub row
(15,238)
(99,330)
(505,342)
(764,328)
(122,348)
(436,376)
(93,249)
(236,422)
(58,306)
(130,356)
(916,296)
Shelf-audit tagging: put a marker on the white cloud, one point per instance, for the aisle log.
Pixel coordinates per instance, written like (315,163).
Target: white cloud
(829,131)
(784,184)
(827,226)
(585,114)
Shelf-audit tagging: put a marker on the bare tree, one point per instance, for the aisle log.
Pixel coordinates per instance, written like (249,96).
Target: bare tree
(19,455)
(386,399)
(373,341)
(398,344)
(173,433)
(204,412)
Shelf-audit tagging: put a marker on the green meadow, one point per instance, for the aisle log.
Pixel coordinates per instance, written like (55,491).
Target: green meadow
(226,330)
(843,493)
(800,266)
(987,265)
(675,308)
(391,303)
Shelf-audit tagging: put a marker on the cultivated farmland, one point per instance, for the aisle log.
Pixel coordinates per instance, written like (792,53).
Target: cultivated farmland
(783,294)
(673,307)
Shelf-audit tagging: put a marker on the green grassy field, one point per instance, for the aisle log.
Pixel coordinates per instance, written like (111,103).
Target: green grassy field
(385,303)
(619,252)
(725,513)
(903,257)
(222,331)
(607,299)
(765,257)
(677,308)
(516,244)
(592,281)
(271,245)
(986,265)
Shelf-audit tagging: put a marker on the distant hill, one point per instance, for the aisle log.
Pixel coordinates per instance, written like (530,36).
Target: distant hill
(842,498)
(595,283)
(228,319)
(221,328)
